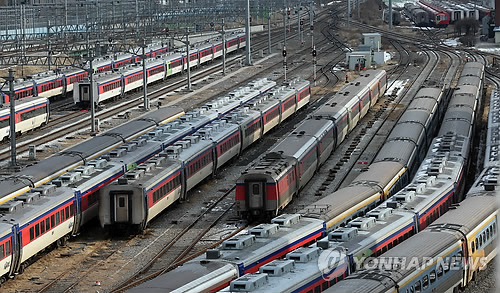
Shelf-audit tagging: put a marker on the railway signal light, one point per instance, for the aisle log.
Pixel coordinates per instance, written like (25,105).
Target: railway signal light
(301,22)
(284,52)
(312,27)
(110,39)
(314,52)
(212,24)
(288,12)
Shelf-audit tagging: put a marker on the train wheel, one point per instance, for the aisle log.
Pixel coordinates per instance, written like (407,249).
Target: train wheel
(23,267)
(2,280)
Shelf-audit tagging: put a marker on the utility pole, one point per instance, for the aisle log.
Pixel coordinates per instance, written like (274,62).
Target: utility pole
(136,18)
(285,15)
(314,63)
(187,58)
(390,14)
(144,76)
(247,38)
(348,11)
(311,22)
(223,32)
(298,22)
(269,31)
(91,97)
(359,13)
(12,118)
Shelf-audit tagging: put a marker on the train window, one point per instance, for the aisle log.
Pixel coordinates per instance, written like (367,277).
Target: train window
(384,249)
(390,245)
(37,230)
(432,276)
(32,233)
(418,287)
(317,289)
(495,227)
(72,210)
(7,248)
(47,224)
(324,286)
(425,282)
(2,252)
(473,248)
(52,221)
(400,239)
(57,218)
(67,213)
(439,271)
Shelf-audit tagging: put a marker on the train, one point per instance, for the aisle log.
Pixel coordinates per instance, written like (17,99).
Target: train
(267,186)
(67,184)
(251,251)
(420,207)
(453,250)
(426,15)
(138,196)
(396,16)
(437,16)
(51,84)
(30,113)
(114,84)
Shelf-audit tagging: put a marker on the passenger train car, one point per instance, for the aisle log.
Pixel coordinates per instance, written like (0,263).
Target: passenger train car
(56,165)
(269,185)
(113,84)
(31,113)
(437,16)
(437,185)
(80,172)
(53,84)
(416,14)
(142,194)
(430,194)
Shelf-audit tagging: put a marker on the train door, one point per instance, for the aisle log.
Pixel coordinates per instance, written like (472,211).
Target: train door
(256,195)
(121,207)
(84,92)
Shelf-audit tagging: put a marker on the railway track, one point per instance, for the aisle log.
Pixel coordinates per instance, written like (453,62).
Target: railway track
(69,123)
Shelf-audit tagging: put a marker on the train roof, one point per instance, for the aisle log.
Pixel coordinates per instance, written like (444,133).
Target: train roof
(272,164)
(301,268)
(180,279)
(24,102)
(24,209)
(91,148)
(149,173)
(493,137)
(282,93)
(397,150)
(217,131)
(253,247)
(464,217)
(487,182)
(296,145)
(360,234)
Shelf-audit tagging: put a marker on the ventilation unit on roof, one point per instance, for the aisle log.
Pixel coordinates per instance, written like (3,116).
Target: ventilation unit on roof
(44,189)
(238,242)
(286,220)
(249,282)
(380,213)
(11,206)
(85,170)
(148,167)
(363,223)
(129,147)
(99,163)
(343,234)
(70,177)
(213,254)
(264,230)
(29,197)
(155,133)
(184,144)
(194,139)
(134,175)
(277,268)
(140,142)
(304,254)
(404,196)
(117,153)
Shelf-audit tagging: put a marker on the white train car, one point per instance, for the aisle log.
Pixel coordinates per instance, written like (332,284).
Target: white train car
(31,113)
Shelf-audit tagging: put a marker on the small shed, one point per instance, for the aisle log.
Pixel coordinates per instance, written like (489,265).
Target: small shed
(374,40)
(359,60)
